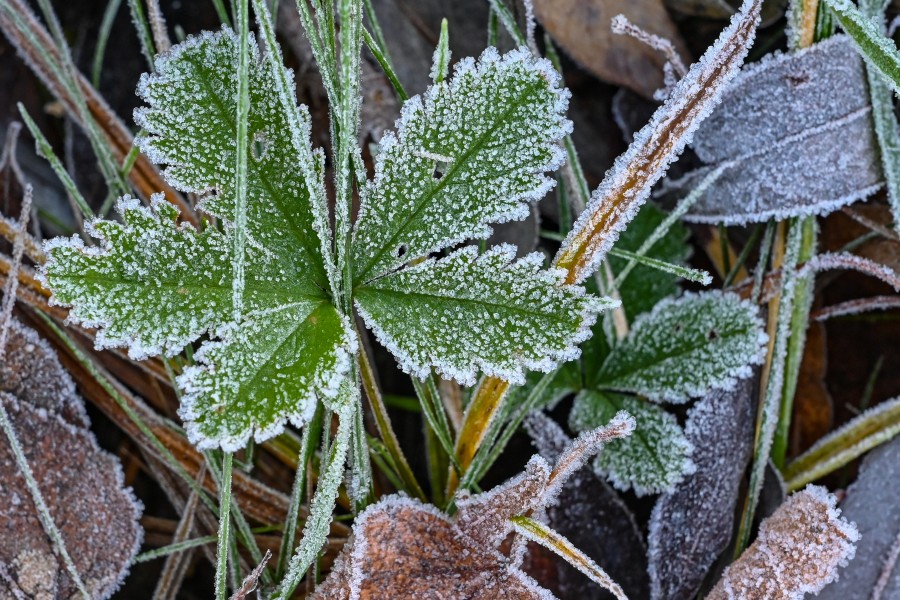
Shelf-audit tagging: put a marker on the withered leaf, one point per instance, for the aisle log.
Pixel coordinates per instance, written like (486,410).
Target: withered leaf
(798,551)
(582,29)
(872,502)
(692,525)
(795,134)
(81,485)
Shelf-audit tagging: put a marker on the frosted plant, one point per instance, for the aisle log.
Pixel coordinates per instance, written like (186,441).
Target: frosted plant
(683,348)
(469,152)
(403,548)
(799,551)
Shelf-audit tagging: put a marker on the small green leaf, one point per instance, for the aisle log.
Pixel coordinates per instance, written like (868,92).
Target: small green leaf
(686,347)
(653,459)
(466,313)
(469,152)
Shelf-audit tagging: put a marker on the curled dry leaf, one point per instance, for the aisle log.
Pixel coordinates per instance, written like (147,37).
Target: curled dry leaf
(798,551)
(582,29)
(692,525)
(794,132)
(402,548)
(872,502)
(82,485)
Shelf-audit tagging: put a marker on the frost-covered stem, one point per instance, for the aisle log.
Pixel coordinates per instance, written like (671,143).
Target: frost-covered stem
(872,428)
(550,539)
(383,423)
(224,527)
(796,340)
(890,563)
(772,381)
(43,512)
(802,23)
(158,25)
(482,409)
(509,22)
(142,28)
(241,174)
(12,281)
(315,532)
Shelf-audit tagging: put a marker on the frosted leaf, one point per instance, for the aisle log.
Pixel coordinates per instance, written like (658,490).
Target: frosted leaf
(83,488)
(269,369)
(686,347)
(466,313)
(653,459)
(797,552)
(470,151)
(151,285)
(191,125)
(873,504)
(627,184)
(31,371)
(692,525)
(645,286)
(794,133)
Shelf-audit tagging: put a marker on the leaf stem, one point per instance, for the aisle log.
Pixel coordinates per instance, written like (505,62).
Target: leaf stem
(224,527)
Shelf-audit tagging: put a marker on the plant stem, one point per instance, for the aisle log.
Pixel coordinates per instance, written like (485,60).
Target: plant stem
(224,527)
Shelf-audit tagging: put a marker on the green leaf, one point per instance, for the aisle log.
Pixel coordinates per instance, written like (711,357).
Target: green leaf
(191,125)
(879,51)
(645,286)
(469,152)
(151,286)
(686,347)
(466,313)
(653,459)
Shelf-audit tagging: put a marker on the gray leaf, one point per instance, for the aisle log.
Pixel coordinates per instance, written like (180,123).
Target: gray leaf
(692,525)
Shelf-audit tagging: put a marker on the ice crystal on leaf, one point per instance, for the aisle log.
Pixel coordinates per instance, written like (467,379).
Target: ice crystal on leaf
(473,150)
(686,347)
(497,123)
(653,459)
(468,312)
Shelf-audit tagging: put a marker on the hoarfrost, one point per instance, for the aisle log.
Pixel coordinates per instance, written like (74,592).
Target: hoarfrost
(627,184)
(499,121)
(794,137)
(655,458)
(465,313)
(691,525)
(798,551)
(686,347)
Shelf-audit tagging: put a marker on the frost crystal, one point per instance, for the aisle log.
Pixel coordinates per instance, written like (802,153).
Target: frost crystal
(686,347)
(498,122)
(466,313)
(795,135)
(798,551)
(653,459)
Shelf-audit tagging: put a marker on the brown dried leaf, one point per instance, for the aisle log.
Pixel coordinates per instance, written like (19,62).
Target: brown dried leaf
(798,551)
(82,486)
(582,29)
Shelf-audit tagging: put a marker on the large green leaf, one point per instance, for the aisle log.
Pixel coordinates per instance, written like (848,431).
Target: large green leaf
(466,313)
(191,125)
(471,151)
(653,459)
(685,347)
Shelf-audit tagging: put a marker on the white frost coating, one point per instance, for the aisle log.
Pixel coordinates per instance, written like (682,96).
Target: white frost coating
(12,277)
(686,347)
(500,121)
(655,458)
(627,184)
(845,260)
(467,313)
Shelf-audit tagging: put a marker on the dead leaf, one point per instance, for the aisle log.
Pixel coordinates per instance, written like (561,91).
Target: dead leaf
(82,485)
(798,551)
(813,408)
(691,526)
(582,29)
(795,135)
